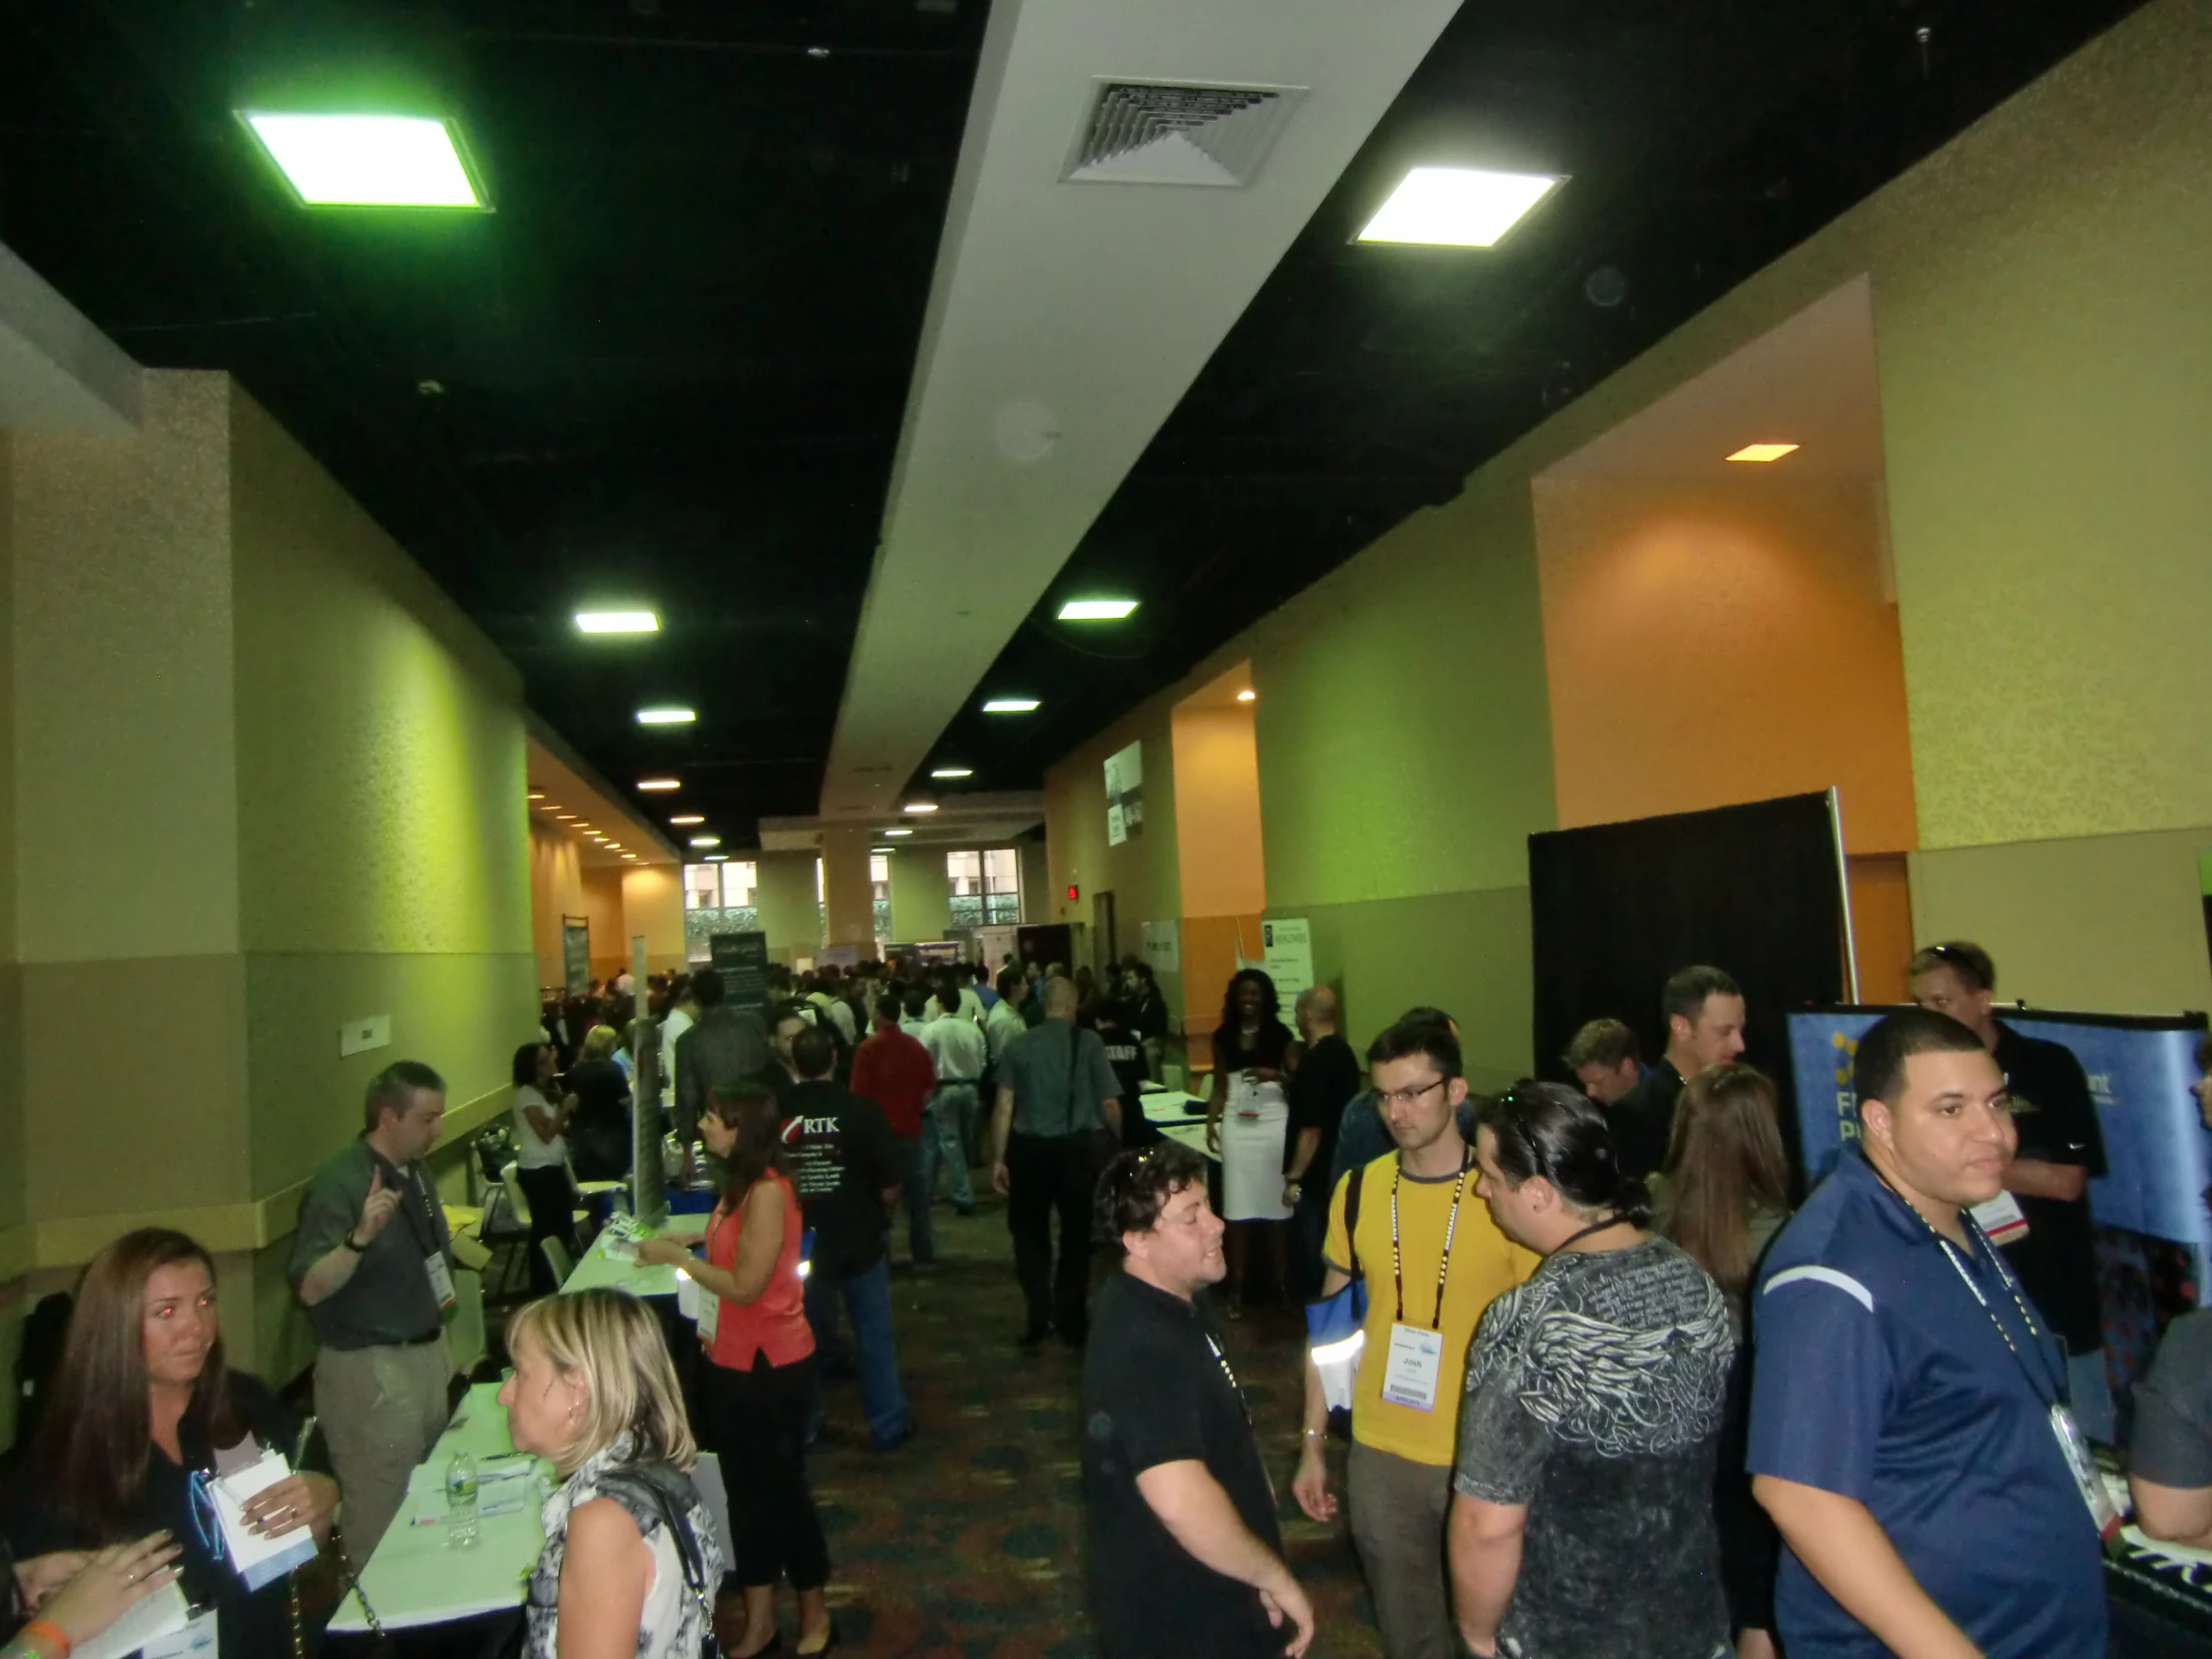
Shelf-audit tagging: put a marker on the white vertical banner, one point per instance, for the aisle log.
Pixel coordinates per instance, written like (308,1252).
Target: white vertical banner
(1286,953)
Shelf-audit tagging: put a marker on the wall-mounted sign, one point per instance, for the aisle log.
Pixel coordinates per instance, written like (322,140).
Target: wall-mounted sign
(1124,795)
(1286,953)
(1163,946)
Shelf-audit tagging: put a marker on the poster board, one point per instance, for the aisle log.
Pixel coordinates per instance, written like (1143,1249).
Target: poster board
(2157,1153)
(576,954)
(1124,793)
(742,960)
(1286,953)
(648,1197)
(1163,946)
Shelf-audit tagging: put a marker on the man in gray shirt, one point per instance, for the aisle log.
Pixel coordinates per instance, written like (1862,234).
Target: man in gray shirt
(725,1045)
(1058,1119)
(372,1262)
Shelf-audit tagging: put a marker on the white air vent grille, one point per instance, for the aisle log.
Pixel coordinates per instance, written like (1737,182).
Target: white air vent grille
(1171,133)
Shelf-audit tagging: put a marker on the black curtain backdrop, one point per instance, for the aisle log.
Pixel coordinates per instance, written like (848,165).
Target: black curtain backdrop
(1753,890)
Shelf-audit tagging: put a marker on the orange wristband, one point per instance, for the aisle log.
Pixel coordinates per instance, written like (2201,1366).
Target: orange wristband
(52,1633)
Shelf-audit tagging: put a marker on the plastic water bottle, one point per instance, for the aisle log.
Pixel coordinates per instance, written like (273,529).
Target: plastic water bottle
(460,1501)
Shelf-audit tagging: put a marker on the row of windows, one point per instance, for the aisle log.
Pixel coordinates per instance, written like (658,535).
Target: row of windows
(986,889)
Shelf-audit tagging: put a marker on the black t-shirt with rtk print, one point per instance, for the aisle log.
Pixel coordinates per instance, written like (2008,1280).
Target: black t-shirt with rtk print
(842,1157)
(1157,1389)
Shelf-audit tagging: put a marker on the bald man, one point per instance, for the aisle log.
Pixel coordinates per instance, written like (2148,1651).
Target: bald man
(1327,1078)
(1059,1111)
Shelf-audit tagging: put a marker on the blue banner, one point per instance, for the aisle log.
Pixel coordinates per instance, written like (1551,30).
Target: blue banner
(2156,1151)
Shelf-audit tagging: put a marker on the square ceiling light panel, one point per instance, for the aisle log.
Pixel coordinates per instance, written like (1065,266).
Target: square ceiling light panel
(1096,610)
(368,160)
(617,621)
(1457,207)
(1764,451)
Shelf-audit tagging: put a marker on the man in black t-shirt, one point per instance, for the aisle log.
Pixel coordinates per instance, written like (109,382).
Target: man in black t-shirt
(1186,1559)
(1703,1011)
(1328,1075)
(2061,1150)
(847,1168)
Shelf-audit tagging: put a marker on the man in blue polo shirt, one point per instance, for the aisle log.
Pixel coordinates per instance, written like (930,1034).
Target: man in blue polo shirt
(1908,1428)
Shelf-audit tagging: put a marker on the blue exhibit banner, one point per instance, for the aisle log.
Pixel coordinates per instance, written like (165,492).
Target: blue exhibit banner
(2156,1151)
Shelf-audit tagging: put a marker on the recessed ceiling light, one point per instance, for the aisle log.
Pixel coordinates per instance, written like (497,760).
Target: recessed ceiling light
(550,806)
(920,806)
(898,831)
(1763,451)
(617,621)
(631,855)
(1009,705)
(705,840)
(954,772)
(1457,207)
(1096,610)
(883,849)
(1248,696)
(718,858)
(660,783)
(366,161)
(687,817)
(564,817)
(665,716)
(537,794)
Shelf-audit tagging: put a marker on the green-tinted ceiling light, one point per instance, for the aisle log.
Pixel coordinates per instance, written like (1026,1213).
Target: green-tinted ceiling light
(368,160)
(1096,610)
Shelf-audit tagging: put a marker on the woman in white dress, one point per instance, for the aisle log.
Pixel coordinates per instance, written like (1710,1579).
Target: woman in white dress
(1247,1119)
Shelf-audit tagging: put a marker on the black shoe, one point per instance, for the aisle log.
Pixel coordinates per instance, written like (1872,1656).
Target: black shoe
(1074,1339)
(963,1208)
(774,1645)
(905,1435)
(1035,1335)
(828,1646)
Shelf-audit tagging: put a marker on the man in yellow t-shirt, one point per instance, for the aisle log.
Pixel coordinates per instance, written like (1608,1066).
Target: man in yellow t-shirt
(1424,1298)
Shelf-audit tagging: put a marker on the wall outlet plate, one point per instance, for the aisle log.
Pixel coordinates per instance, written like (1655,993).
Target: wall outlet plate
(357,1036)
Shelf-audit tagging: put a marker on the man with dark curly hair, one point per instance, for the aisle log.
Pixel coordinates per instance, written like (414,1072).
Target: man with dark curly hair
(1185,1557)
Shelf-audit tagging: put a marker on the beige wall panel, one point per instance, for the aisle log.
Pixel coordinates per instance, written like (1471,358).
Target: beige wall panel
(135,1071)
(380,746)
(785,900)
(556,892)
(122,707)
(921,896)
(2106,924)
(653,905)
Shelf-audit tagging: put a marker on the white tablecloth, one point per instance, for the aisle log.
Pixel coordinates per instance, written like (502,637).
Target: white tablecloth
(414,1578)
(598,1269)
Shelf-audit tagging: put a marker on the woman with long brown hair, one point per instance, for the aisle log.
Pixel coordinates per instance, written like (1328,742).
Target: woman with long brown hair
(1722,1196)
(758,1386)
(142,1402)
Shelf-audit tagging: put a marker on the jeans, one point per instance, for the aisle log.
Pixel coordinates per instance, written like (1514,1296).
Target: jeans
(920,1178)
(867,1295)
(941,1121)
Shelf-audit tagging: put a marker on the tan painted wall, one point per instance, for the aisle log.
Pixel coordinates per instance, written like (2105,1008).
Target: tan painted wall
(15,1249)
(653,905)
(556,892)
(610,936)
(921,896)
(2109,924)
(1708,643)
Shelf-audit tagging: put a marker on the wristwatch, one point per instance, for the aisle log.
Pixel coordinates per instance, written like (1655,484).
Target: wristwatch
(1294,1188)
(347,1240)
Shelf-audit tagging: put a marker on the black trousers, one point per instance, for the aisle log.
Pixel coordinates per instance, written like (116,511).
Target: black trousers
(757,1425)
(552,1216)
(1044,1174)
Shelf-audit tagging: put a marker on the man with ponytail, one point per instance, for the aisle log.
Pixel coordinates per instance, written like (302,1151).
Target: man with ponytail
(1582,1508)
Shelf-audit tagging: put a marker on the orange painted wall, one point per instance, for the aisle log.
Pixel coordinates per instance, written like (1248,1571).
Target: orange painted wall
(1211,946)
(1708,643)
(1217,813)
(1880,924)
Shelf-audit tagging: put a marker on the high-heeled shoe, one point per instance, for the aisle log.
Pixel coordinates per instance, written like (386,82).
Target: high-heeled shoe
(766,1650)
(828,1643)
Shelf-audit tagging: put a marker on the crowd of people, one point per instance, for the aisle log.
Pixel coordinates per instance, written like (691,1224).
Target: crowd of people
(1624,1389)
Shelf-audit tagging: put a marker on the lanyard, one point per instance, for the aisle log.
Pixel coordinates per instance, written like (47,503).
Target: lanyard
(1443,1265)
(1234,1388)
(206,1524)
(2036,1385)
(429,1240)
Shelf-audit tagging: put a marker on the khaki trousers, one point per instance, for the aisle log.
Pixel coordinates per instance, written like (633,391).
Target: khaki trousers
(1399,1510)
(382,1408)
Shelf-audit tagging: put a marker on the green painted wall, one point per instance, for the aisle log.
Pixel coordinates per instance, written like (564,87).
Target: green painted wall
(785,895)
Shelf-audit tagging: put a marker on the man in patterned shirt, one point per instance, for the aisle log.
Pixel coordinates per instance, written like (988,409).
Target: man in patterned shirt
(1582,1509)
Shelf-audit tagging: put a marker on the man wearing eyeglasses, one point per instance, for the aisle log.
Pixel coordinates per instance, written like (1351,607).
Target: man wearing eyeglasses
(1411,1223)
(1186,1556)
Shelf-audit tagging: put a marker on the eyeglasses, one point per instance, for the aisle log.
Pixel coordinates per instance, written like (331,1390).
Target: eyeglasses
(1407,1097)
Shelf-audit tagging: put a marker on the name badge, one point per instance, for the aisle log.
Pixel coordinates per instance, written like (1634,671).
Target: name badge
(2003,1219)
(195,1642)
(710,1316)
(441,1279)
(2104,1514)
(1415,1368)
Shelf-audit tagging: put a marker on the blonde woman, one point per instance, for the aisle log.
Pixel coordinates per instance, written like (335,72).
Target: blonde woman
(630,1562)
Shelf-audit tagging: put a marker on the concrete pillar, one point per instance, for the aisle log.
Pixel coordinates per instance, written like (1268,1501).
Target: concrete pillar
(785,895)
(848,894)
(922,894)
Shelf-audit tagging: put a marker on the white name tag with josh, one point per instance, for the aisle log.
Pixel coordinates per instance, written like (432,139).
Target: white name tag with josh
(441,1279)
(195,1642)
(2003,1219)
(1415,1368)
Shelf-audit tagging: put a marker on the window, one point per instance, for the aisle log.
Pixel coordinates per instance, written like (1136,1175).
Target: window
(985,887)
(718,898)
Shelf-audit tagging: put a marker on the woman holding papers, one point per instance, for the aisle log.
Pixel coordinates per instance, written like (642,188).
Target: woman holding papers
(759,1383)
(143,1416)
(53,1604)
(630,1562)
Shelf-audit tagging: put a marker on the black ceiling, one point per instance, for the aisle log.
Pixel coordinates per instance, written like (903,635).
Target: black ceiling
(673,363)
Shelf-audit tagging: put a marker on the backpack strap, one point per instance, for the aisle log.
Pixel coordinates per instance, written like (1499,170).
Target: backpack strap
(1353,1182)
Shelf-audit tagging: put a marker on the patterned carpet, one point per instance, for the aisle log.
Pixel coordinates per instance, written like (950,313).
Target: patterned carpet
(968,1541)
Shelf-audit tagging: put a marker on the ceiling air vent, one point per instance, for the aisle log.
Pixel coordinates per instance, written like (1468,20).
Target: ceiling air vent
(1174,133)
